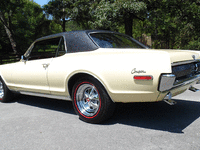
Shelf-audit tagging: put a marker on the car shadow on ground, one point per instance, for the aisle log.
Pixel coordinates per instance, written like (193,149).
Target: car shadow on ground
(47,103)
(157,116)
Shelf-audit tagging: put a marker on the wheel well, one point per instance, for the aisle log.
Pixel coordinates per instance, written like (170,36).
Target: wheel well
(74,79)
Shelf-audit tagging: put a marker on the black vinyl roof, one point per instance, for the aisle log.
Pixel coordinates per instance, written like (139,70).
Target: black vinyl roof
(77,41)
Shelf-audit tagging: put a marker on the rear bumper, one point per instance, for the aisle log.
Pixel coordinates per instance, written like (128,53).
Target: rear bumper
(187,81)
(180,87)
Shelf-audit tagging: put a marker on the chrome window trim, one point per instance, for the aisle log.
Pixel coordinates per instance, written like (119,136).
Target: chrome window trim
(60,44)
(65,43)
(43,39)
(144,46)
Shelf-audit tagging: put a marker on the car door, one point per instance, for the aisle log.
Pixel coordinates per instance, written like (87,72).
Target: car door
(31,73)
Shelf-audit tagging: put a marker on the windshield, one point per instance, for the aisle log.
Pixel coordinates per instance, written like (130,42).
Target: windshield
(112,40)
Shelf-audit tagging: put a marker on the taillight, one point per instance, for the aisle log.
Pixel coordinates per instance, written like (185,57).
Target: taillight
(143,77)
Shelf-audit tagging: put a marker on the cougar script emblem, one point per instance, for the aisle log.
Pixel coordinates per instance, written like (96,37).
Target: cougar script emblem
(137,71)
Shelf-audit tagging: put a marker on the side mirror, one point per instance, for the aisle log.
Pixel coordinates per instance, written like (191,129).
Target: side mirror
(23,58)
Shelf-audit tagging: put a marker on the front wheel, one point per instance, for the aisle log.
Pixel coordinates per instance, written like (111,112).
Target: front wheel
(91,102)
(5,94)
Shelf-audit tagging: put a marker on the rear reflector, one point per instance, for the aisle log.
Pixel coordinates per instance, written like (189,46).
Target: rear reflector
(143,78)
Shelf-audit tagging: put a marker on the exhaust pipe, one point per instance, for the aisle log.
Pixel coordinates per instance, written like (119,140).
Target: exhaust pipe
(168,99)
(198,82)
(193,89)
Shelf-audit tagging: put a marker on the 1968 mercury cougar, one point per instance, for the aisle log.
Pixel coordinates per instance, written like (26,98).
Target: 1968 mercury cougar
(96,69)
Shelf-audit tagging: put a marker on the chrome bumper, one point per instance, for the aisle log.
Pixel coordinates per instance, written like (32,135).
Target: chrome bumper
(187,81)
(167,82)
(182,83)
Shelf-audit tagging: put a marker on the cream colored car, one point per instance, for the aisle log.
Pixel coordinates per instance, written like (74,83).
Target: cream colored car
(96,69)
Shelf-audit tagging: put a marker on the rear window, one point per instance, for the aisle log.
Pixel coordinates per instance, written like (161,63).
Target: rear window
(112,40)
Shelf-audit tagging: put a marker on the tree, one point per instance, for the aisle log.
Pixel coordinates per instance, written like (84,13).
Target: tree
(4,41)
(23,21)
(60,10)
(7,9)
(82,12)
(109,14)
(173,23)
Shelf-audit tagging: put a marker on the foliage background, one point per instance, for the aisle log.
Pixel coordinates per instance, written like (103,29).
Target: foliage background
(171,24)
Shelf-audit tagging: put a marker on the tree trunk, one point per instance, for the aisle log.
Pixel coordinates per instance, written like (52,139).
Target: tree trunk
(9,33)
(129,25)
(12,41)
(63,25)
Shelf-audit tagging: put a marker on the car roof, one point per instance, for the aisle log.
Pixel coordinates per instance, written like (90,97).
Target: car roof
(77,41)
(73,32)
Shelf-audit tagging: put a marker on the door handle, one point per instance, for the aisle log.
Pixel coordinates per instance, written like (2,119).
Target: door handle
(45,65)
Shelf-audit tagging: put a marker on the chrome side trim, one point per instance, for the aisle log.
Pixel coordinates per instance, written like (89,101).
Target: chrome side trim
(46,95)
(184,62)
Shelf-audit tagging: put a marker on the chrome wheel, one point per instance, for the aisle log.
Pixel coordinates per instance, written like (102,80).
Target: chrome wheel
(91,101)
(87,99)
(1,91)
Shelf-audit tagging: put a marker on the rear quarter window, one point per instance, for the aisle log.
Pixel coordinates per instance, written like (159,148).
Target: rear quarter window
(112,40)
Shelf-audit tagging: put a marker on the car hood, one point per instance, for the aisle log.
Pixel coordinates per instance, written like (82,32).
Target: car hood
(181,55)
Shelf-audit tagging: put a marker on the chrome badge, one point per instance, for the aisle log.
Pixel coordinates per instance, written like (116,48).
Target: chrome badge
(137,71)
(194,57)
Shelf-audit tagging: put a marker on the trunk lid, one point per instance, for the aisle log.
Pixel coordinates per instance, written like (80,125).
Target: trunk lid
(181,55)
(175,55)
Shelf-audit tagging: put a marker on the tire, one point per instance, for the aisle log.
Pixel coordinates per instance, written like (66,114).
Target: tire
(91,102)
(5,94)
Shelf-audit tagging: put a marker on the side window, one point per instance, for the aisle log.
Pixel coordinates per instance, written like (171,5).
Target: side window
(61,49)
(45,49)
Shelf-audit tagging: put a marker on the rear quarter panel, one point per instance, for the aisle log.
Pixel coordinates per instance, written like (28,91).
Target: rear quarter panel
(113,68)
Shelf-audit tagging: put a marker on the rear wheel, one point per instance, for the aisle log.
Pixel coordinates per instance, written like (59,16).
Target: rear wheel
(91,102)
(5,94)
